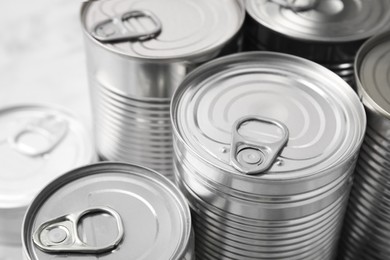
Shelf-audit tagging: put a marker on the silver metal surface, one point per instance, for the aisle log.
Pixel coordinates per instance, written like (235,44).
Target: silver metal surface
(329,32)
(132,81)
(154,216)
(37,144)
(366,227)
(292,209)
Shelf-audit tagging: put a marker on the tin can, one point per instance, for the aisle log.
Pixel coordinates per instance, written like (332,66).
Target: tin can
(326,32)
(37,144)
(109,211)
(367,224)
(265,147)
(138,52)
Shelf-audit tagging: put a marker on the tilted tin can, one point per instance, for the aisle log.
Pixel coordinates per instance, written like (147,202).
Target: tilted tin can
(109,211)
(265,146)
(367,224)
(37,144)
(138,52)
(327,32)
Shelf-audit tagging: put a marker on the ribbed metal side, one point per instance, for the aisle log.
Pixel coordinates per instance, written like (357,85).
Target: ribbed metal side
(366,232)
(133,130)
(227,231)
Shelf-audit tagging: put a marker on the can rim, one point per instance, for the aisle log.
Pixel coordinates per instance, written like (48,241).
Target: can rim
(365,98)
(196,56)
(200,70)
(96,168)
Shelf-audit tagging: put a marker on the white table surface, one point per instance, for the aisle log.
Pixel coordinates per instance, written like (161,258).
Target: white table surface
(42,61)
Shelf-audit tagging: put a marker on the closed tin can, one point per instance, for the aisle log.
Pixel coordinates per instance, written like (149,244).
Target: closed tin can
(37,144)
(367,224)
(265,146)
(327,32)
(138,52)
(109,211)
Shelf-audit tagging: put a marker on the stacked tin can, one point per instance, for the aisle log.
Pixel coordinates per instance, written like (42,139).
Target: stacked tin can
(367,224)
(265,146)
(138,52)
(327,32)
(109,211)
(37,144)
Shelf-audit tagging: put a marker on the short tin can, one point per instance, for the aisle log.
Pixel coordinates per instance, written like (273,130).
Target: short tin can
(137,53)
(37,144)
(367,223)
(265,147)
(328,32)
(109,210)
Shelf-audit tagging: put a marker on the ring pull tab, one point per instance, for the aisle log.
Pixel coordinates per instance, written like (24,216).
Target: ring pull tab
(60,235)
(114,29)
(47,131)
(256,142)
(297,5)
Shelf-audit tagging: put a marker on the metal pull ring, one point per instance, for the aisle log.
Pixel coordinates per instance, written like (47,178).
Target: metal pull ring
(51,128)
(252,156)
(297,5)
(60,235)
(114,30)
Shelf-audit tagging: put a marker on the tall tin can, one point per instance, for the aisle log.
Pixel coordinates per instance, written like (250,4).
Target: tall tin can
(37,144)
(138,52)
(327,32)
(367,224)
(109,211)
(265,147)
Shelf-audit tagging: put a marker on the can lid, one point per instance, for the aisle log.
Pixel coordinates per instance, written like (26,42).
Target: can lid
(157,29)
(299,114)
(37,144)
(323,21)
(110,210)
(373,73)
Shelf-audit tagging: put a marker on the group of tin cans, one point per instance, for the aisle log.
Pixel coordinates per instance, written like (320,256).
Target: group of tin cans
(246,156)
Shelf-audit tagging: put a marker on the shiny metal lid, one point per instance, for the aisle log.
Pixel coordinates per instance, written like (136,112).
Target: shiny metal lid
(372,73)
(323,21)
(37,144)
(169,29)
(263,112)
(108,211)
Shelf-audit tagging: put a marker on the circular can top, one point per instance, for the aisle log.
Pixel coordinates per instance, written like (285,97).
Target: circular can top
(110,210)
(159,30)
(372,73)
(264,112)
(37,144)
(323,21)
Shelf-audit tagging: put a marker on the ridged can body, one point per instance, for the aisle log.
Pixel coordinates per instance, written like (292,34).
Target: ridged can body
(326,32)
(112,211)
(265,147)
(37,144)
(367,223)
(132,81)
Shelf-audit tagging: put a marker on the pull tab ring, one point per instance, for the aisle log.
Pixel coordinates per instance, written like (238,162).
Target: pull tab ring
(51,127)
(114,30)
(251,156)
(60,235)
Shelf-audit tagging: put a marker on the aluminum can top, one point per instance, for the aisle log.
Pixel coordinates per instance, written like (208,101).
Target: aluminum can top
(322,21)
(162,30)
(268,116)
(37,144)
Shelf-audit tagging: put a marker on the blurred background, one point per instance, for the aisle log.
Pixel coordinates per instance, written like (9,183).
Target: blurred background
(42,61)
